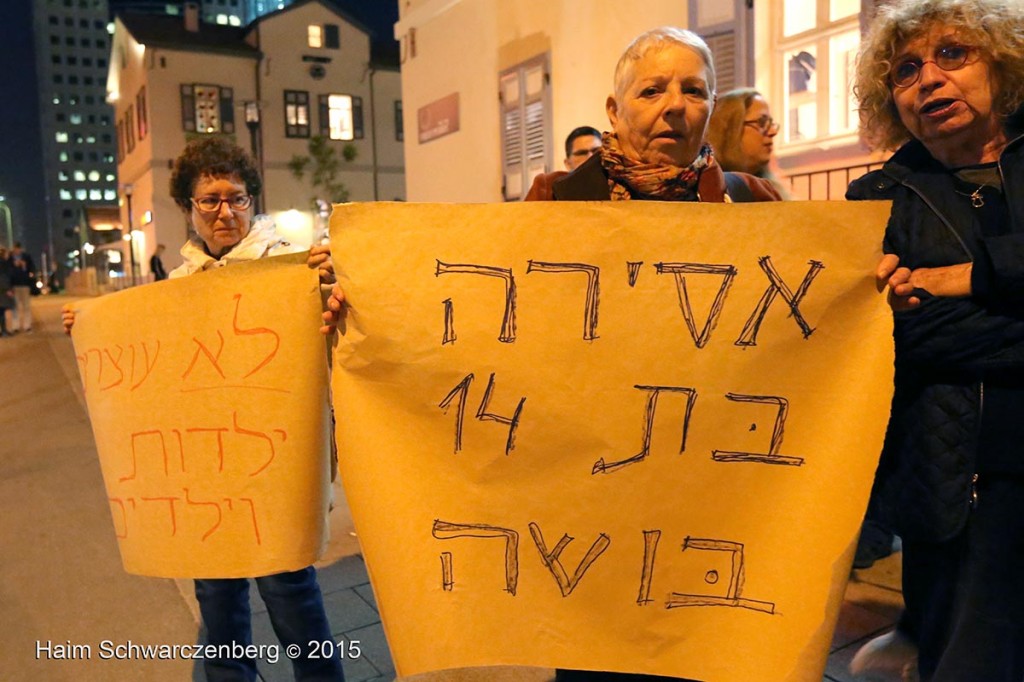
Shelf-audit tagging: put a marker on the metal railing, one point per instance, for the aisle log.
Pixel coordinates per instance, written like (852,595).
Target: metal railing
(828,184)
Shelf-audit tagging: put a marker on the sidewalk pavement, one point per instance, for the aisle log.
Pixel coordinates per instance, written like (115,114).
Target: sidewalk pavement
(61,578)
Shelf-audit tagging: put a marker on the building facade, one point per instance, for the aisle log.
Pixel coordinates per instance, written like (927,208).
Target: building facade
(543,67)
(298,75)
(72,47)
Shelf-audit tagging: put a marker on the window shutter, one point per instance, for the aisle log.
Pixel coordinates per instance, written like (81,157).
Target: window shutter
(526,135)
(331,36)
(188,108)
(727,26)
(357,117)
(325,116)
(227,110)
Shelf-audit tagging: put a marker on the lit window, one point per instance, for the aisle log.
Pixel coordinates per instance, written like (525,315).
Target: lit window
(76,119)
(109,194)
(80,176)
(65,195)
(94,176)
(234,21)
(56,100)
(817,48)
(81,194)
(222,19)
(316,35)
(61,175)
(296,113)
(109,177)
(63,156)
(95,195)
(340,117)
(61,136)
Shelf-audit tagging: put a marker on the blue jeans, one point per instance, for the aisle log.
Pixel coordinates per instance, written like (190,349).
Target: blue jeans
(296,610)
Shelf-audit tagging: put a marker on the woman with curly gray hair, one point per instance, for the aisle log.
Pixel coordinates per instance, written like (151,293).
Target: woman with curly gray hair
(943,81)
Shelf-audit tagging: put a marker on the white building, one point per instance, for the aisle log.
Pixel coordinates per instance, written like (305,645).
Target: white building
(301,71)
(492,87)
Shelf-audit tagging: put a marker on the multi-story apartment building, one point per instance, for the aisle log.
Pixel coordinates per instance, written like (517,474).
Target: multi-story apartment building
(294,74)
(223,12)
(72,46)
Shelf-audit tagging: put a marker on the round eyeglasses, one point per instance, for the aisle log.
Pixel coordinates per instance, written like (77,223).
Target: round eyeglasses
(766,124)
(947,58)
(211,204)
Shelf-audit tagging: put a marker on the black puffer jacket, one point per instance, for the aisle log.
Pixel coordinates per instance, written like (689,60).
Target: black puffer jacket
(946,347)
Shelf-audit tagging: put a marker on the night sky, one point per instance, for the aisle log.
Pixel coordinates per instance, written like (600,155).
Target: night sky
(21,169)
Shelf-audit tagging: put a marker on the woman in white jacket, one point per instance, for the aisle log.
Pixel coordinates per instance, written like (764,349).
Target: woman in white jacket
(214,183)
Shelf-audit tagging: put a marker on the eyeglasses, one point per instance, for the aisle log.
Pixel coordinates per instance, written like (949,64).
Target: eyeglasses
(211,204)
(947,58)
(766,124)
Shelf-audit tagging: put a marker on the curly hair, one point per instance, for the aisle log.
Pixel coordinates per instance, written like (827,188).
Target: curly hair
(995,27)
(211,156)
(657,39)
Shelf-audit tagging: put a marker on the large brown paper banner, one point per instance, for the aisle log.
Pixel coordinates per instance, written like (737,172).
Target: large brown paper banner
(207,397)
(627,437)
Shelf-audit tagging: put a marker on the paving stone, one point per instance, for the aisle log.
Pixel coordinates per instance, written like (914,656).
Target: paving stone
(347,572)
(374,647)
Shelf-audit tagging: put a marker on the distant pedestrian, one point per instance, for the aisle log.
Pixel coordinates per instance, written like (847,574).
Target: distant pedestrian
(156,266)
(23,278)
(6,290)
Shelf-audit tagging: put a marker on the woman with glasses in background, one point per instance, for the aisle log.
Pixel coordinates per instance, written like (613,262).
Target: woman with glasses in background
(942,82)
(742,134)
(214,182)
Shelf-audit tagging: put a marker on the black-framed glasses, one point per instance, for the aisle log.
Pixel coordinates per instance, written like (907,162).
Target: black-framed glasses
(211,204)
(766,124)
(948,58)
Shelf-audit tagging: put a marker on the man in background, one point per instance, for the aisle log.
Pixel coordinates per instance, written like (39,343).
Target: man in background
(23,278)
(156,266)
(580,145)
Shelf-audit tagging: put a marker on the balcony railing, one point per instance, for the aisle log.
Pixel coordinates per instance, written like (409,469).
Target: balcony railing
(829,184)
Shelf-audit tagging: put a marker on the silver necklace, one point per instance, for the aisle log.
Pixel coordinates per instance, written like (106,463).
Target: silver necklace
(976,197)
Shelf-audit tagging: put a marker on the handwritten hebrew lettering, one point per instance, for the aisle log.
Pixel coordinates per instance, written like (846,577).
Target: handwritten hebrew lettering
(444,530)
(213,358)
(449,323)
(512,422)
(551,558)
(508,320)
(446,572)
(147,367)
(593,296)
(777,287)
(678,301)
(633,271)
(679,272)
(734,590)
(772,456)
(255,331)
(602,467)
(170,500)
(459,392)
(651,539)
(135,452)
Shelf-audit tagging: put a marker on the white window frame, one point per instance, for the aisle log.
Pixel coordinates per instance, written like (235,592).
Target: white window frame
(525,154)
(340,126)
(780,46)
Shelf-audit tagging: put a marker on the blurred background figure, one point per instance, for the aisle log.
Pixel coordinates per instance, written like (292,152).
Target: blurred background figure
(742,133)
(6,290)
(23,278)
(580,145)
(156,265)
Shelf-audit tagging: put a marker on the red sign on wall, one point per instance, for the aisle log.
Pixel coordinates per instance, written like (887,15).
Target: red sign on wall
(439,118)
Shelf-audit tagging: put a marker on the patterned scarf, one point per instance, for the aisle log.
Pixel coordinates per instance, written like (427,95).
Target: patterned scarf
(631,179)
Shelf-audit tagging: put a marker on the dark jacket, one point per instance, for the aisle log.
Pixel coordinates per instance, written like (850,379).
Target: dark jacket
(590,183)
(946,347)
(24,273)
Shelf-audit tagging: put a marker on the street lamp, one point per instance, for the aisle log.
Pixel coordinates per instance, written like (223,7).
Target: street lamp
(10,224)
(252,121)
(128,237)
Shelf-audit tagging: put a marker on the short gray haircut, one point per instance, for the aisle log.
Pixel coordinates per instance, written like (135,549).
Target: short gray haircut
(658,39)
